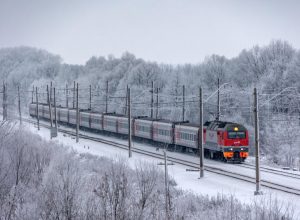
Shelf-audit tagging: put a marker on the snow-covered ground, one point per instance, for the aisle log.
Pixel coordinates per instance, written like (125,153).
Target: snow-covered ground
(212,184)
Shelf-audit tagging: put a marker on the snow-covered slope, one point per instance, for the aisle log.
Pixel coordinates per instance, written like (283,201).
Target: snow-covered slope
(212,184)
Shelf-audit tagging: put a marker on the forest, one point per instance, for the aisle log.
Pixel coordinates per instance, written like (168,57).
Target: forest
(274,69)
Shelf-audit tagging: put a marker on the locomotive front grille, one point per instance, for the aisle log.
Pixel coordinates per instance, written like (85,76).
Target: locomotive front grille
(236,154)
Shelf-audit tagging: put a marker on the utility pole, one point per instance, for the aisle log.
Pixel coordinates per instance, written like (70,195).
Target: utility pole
(129,123)
(90,106)
(218,110)
(255,110)
(55,112)
(166,186)
(183,102)
(49,104)
(156,103)
(19,105)
(37,108)
(201,149)
(152,99)
(106,97)
(77,116)
(74,96)
(67,97)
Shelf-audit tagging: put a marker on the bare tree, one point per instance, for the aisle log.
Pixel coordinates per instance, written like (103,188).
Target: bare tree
(146,175)
(113,192)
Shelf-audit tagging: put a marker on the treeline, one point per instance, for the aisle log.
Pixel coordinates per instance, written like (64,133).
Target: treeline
(42,180)
(272,69)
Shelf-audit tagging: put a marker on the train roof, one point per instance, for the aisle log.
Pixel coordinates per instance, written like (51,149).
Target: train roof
(90,111)
(114,114)
(40,103)
(221,124)
(189,124)
(146,118)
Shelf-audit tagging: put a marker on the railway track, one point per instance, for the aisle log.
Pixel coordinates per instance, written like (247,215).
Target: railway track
(191,164)
(270,170)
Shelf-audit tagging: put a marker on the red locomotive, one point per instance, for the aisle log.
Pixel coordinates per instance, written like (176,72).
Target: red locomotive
(226,140)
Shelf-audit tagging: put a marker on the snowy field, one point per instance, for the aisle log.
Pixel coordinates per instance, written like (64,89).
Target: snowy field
(212,184)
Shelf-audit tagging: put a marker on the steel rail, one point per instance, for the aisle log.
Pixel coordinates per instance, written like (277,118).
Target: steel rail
(270,170)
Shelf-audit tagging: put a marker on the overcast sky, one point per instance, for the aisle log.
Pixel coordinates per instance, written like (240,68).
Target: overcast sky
(164,31)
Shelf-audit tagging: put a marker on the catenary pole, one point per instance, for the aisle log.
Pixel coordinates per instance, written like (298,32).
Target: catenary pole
(55,112)
(183,102)
(152,98)
(4,102)
(201,149)
(166,186)
(32,94)
(126,100)
(129,124)
(67,97)
(156,103)
(218,110)
(255,109)
(90,105)
(19,105)
(106,97)
(49,104)
(250,113)
(74,95)
(77,115)
(3,98)
(37,108)
(51,92)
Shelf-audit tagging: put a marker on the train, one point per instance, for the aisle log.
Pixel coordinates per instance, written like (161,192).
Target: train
(222,140)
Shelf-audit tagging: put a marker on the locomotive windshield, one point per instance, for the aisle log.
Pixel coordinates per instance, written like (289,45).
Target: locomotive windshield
(236,134)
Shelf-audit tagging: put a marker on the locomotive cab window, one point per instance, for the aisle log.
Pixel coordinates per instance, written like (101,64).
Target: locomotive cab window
(236,134)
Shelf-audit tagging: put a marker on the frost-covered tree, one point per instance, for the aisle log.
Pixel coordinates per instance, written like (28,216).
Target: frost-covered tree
(270,68)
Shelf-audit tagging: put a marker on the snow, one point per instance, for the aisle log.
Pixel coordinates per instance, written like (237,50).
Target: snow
(212,184)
